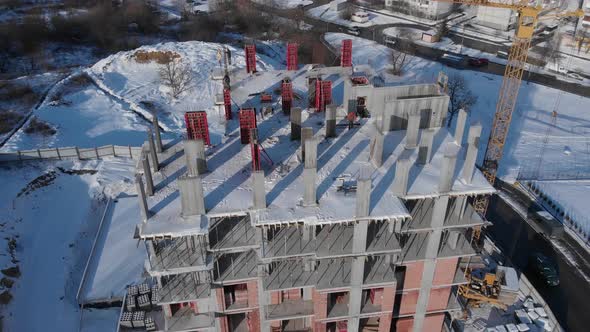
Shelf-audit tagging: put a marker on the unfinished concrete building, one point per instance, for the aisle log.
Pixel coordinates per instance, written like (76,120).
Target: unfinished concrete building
(340,230)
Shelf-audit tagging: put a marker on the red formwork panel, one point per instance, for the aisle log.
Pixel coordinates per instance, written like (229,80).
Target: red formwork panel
(197,126)
(255,148)
(287,95)
(318,94)
(346,53)
(292,56)
(247,118)
(250,58)
(326,94)
(227,103)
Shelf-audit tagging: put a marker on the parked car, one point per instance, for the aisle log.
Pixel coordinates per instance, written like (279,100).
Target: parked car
(545,268)
(354,30)
(360,17)
(575,76)
(478,62)
(453,60)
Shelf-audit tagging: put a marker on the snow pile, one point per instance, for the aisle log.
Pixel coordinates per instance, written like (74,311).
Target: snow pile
(530,122)
(286,4)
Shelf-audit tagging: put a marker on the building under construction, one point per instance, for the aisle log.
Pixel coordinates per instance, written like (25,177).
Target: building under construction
(347,210)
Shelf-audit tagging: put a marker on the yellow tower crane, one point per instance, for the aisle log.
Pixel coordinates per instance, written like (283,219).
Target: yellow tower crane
(528,16)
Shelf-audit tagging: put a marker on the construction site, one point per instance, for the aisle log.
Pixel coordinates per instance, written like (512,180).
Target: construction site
(347,209)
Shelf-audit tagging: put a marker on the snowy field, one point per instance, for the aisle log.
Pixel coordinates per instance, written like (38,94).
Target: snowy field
(286,4)
(569,140)
(51,210)
(325,13)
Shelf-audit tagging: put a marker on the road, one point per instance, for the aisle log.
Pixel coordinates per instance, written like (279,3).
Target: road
(511,232)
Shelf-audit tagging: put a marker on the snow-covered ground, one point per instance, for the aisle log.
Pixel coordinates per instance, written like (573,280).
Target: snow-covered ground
(51,211)
(325,13)
(286,4)
(568,144)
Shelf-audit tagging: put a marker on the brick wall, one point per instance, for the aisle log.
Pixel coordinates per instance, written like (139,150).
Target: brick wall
(413,276)
(434,322)
(408,302)
(275,297)
(439,298)
(254,321)
(405,325)
(388,298)
(385,322)
(320,308)
(220,299)
(252,293)
(444,272)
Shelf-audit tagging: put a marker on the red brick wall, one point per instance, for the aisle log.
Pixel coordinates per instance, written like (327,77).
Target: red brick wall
(408,302)
(223,323)
(254,321)
(275,297)
(445,271)
(388,298)
(252,293)
(320,309)
(405,325)
(413,276)
(220,299)
(438,298)
(433,322)
(385,322)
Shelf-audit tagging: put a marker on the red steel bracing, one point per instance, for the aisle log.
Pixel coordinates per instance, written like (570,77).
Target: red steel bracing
(326,95)
(255,148)
(227,103)
(292,56)
(197,126)
(346,53)
(247,118)
(287,95)
(251,58)
(318,94)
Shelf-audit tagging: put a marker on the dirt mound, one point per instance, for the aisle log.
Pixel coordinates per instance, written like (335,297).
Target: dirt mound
(160,57)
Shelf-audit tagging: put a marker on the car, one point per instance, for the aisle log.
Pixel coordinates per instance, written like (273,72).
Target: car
(453,60)
(545,268)
(478,62)
(575,76)
(354,30)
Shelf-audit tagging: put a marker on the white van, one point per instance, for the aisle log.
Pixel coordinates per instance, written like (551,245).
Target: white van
(360,17)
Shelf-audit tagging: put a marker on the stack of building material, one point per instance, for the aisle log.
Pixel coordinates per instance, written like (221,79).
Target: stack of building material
(130,302)
(150,325)
(138,319)
(125,319)
(155,295)
(143,301)
(241,294)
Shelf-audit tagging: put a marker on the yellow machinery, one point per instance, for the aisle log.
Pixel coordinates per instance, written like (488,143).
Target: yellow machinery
(528,16)
(482,289)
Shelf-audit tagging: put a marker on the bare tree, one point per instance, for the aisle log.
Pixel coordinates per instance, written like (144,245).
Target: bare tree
(550,52)
(460,96)
(176,75)
(399,61)
(347,12)
(442,29)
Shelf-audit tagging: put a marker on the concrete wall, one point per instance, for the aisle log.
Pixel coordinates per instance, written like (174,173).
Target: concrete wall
(497,18)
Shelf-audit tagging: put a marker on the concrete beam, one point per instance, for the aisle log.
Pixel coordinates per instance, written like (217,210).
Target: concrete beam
(156,125)
(153,153)
(471,155)
(377,149)
(149,181)
(143,206)
(295,119)
(425,149)
(412,130)
(259,193)
(310,188)
(402,174)
(447,171)
(331,120)
(194,151)
(192,198)
(460,127)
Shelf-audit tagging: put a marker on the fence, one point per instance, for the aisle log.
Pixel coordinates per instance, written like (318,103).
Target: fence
(72,153)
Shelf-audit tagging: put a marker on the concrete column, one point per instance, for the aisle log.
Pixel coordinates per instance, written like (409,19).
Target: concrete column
(447,171)
(310,189)
(402,173)
(363,193)
(156,125)
(425,149)
(194,151)
(359,238)
(471,155)
(295,118)
(259,194)
(377,148)
(192,199)
(306,133)
(453,239)
(143,206)
(412,130)
(148,176)
(153,153)
(331,120)
(460,128)
(311,150)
